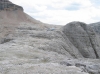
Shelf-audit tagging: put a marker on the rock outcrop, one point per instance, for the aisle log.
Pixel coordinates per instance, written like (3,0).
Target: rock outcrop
(83,38)
(9,6)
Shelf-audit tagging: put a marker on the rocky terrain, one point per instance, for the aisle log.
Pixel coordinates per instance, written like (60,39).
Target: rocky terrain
(28,46)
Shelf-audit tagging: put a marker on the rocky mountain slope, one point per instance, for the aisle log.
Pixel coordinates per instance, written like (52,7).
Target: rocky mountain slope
(96,27)
(28,46)
(83,38)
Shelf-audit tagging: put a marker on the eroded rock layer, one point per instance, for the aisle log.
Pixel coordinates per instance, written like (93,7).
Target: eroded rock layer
(7,5)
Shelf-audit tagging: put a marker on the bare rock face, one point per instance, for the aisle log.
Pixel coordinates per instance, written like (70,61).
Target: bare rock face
(96,27)
(7,5)
(83,38)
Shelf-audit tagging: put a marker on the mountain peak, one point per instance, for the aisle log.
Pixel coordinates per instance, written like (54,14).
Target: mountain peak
(9,6)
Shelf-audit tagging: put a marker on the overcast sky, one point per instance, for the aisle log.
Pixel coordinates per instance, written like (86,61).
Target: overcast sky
(62,11)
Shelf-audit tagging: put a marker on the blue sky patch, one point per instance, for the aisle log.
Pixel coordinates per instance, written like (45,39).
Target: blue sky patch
(95,2)
(73,7)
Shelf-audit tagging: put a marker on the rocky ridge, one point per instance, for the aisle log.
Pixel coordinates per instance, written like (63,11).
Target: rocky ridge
(83,38)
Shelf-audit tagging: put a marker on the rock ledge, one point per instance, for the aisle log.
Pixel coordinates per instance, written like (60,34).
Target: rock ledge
(9,6)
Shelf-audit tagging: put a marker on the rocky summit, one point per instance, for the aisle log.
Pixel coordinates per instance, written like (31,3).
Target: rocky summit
(28,46)
(7,5)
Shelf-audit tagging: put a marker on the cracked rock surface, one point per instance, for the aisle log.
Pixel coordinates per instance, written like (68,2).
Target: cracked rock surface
(36,49)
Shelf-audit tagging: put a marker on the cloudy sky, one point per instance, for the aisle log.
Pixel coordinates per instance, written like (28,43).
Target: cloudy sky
(62,11)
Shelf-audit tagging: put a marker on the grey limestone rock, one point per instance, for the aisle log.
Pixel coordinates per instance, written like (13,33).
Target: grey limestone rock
(91,66)
(83,38)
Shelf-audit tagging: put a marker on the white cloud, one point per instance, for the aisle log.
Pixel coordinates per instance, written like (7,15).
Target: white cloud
(61,11)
